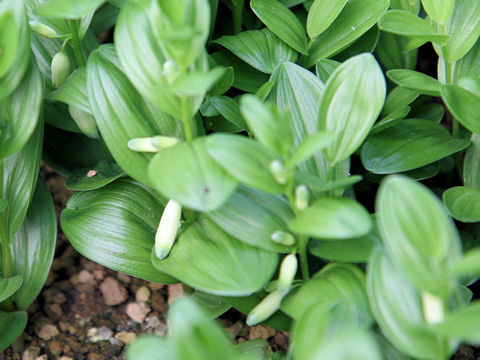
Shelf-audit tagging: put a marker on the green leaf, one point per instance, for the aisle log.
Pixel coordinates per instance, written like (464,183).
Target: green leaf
(439,11)
(245,160)
(115,226)
(390,120)
(187,174)
(463,105)
(94,177)
(209,260)
(322,14)
(461,325)
(256,349)
(364,44)
(469,264)
(394,21)
(229,109)
(429,111)
(12,325)
(356,18)
(312,145)
(325,67)
(391,52)
(417,232)
(196,83)
(282,22)
(20,115)
(411,144)
(9,41)
(461,202)
(471,164)
(74,90)
(259,48)
(33,246)
(333,219)
(415,80)
(316,184)
(9,285)
(213,306)
(353,98)
(252,217)
(151,347)
(68,9)
(398,98)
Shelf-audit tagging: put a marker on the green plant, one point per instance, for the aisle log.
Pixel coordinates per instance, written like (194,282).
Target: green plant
(222,158)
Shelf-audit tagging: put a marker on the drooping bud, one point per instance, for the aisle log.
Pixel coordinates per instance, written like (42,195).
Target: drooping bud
(152,144)
(265,308)
(432,308)
(301,197)
(42,29)
(283,238)
(60,68)
(278,171)
(167,229)
(85,121)
(288,269)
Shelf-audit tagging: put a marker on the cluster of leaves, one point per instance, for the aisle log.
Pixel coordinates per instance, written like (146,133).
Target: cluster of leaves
(212,143)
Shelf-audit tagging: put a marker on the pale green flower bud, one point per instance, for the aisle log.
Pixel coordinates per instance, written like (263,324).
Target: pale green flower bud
(278,171)
(301,197)
(170,70)
(283,238)
(85,121)
(42,29)
(167,229)
(152,144)
(288,269)
(432,308)
(265,308)
(60,69)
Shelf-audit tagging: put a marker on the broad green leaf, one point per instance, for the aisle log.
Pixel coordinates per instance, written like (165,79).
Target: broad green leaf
(311,145)
(461,325)
(316,184)
(411,144)
(469,264)
(322,14)
(415,80)
(151,347)
(210,260)
(257,349)
(418,234)
(429,111)
(471,164)
(364,44)
(397,308)
(356,18)
(325,67)
(74,90)
(94,177)
(224,83)
(115,226)
(259,48)
(390,120)
(252,217)
(463,105)
(245,160)
(9,285)
(33,246)
(229,109)
(9,41)
(121,113)
(333,219)
(20,115)
(462,203)
(213,306)
(196,83)
(394,21)
(391,53)
(398,98)
(186,173)
(439,10)
(353,98)
(412,6)
(468,65)
(12,325)
(282,22)
(471,83)
(69,9)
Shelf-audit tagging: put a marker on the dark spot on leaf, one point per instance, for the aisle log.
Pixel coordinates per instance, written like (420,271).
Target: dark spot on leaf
(206,190)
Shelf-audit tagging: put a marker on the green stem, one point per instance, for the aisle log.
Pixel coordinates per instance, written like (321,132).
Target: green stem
(237,15)
(76,43)
(302,251)
(187,120)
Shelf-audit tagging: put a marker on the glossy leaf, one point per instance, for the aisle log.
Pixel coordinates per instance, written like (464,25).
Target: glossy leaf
(463,105)
(9,285)
(252,217)
(354,95)
(33,246)
(12,325)
(411,144)
(9,40)
(462,203)
(69,9)
(74,90)
(414,80)
(210,260)
(322,14)
(439,11)
(187,174)
(282,22)
(333,219)
(259,48)
(115,226)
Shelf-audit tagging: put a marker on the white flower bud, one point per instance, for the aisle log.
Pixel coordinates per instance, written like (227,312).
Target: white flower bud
(85,121)
(283,238)
(42,29)
(301,197)
(152,144)
(167,229)
(265,308)
(432,308)
(279,172)
(288,269)
(60,68)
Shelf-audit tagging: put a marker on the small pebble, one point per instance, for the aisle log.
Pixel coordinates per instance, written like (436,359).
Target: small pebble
(47,332)
(31,353)
(175,291)
(126,337)
(137,311)
(99,334)
(113,292)
(261,331)
(142,294)
(85,277)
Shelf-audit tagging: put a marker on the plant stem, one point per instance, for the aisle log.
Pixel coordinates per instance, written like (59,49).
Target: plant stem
(187,120)
(237,15)
(76,43)
(302,251)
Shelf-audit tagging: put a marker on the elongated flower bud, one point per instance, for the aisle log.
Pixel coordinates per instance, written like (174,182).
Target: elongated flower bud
(84,121)
(152,144)
(288,269)
(42,29)
(283,238)
(432,308)
(60,68)
(167,229)
(279,172)
(301,197)
(265,308)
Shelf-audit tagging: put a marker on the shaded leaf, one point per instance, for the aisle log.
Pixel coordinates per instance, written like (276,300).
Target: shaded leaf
(462,203)
(12,325)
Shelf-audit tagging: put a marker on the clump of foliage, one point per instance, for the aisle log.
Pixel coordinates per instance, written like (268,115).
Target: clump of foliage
(237,147)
